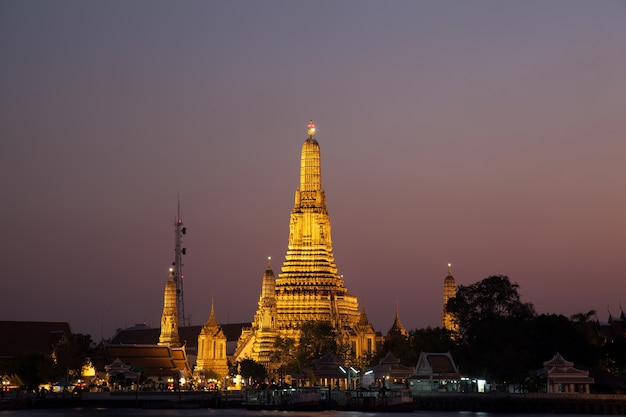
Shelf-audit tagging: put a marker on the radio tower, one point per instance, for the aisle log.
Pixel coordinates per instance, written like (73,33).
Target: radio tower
(179,251)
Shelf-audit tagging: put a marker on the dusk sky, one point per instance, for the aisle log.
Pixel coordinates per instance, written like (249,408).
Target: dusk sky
(488,134)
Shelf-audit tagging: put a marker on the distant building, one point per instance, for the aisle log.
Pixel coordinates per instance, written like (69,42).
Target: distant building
(164,365)
(169,318)
(165,361)
(144,335)
(212,361)
(449,291)
(561,376)
(435,372)
(387,373)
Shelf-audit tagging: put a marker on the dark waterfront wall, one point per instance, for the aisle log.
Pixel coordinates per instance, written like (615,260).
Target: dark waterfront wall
(525,403)
(497,403)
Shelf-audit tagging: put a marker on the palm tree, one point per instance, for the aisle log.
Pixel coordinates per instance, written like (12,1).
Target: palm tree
(583,317)
(588,324)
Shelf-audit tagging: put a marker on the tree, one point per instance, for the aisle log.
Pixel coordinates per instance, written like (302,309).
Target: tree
(494,297)
(494,325)
(252,370)
(317,338)
(437,339)
(400,347)
(284,353)
(34,369)
(551,333)
(583,317)
(71,353)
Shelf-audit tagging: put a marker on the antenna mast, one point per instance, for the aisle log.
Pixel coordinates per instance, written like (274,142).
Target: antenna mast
(179,251)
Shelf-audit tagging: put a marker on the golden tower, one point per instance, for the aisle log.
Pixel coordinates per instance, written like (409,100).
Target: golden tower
(169,318)
(449,291)
(308,288)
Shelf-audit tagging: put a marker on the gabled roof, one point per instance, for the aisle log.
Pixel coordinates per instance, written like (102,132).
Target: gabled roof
(31,336)
(559,370)
(390,366)
(436,366)
(155,360)
(328,367)
(557,361)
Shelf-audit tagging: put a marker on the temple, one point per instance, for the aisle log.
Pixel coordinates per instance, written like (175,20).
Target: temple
(169,318)
(309,287)
(212,363)
(449,291)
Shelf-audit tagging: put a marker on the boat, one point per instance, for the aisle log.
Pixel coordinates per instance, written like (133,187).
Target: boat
(381,400)
(285,399)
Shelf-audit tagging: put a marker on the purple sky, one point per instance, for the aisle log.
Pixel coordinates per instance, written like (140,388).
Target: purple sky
(489,134)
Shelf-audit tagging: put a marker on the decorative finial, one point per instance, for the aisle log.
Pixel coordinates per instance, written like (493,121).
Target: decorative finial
(449,269)
(171,276)
(269,262)
(311,129)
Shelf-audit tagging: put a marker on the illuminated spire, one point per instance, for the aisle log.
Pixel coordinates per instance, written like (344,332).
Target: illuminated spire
(310,192)
(212,320)
(268,288)
(169,318)
(449,291)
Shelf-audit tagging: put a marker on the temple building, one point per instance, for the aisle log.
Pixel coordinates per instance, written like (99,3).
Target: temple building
(561,376)
(164,361)
(449,291)
(308,288)
(212,362)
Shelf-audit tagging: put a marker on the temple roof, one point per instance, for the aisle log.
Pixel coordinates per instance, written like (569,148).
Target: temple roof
(562,371)
(557,361)
(212,322)
(397,328)
(436,365)
(390,366)
(155,360)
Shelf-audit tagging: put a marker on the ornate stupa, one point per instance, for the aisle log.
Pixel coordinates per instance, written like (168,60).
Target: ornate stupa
(449,291)
(309,287)
(169,318)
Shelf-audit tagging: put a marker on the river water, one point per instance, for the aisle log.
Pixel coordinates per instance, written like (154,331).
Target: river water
(236,412)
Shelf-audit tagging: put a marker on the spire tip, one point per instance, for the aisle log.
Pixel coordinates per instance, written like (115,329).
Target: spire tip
(311,128)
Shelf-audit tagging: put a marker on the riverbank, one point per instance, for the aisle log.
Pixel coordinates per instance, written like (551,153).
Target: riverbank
(526,403)
(128,399)
(492,402)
